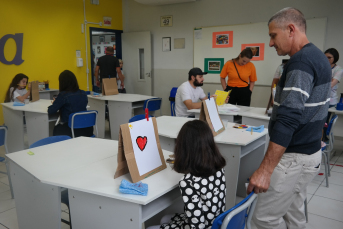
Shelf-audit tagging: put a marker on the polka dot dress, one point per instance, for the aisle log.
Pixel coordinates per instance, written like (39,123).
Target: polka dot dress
(204,200)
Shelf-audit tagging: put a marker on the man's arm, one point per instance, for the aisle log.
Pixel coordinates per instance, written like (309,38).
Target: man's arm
(260,180)
(190,105)
(334,82)
(96,73)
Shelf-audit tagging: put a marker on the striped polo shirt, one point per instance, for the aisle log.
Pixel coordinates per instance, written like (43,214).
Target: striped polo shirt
(301,102)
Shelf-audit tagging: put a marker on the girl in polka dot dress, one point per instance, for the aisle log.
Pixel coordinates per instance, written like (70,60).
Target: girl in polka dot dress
(203,186)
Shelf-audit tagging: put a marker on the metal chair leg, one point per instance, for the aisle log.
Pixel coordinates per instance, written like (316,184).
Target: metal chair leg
(9,179)
(326,169)
(306,213)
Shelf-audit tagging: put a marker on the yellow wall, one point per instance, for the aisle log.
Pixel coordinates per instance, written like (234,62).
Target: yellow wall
(52,34)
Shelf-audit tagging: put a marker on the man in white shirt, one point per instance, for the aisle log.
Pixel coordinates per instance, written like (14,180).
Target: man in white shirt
(189,93)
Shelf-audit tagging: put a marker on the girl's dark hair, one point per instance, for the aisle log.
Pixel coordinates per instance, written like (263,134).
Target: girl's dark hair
(196,152)
(334,53)
(68,82)
(246,53)
(16,80)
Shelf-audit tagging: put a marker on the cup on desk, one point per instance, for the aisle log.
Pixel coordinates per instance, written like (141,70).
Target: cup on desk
(26,101)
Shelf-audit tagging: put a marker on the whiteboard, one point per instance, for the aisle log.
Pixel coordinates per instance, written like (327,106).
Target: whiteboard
(248,34)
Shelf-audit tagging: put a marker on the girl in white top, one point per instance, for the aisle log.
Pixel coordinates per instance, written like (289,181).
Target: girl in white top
(120,88)
(17,90)
(337,72)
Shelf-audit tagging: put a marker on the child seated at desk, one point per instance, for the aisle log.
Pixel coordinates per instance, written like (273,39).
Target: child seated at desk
(70,100)
(17,90)
(203,186)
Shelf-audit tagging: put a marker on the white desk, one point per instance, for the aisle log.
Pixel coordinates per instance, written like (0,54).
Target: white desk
(338,129)
(254,116)
(228,116)
(37,123)
(48,94)
(120,108)
(85,166)
(243,152)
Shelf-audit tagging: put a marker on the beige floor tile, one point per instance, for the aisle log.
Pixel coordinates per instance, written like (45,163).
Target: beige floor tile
(319,222)
(325,207)
(9,219)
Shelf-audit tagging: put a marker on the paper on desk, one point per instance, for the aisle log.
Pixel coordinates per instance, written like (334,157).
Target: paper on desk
(228,108)
(214,116)
(144,146)
(221,97)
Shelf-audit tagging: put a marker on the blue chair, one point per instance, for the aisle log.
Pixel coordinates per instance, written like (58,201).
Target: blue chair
(138,117)
(172,100)
(64,192)
(83,119)
(153,104)
(49,140)
(237,216)
(3,142)
(329,144)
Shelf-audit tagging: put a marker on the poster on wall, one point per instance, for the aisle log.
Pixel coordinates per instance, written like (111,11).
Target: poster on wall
(257,50)
(107,21)
(222,39)
(101,38)
(98,50)
(113,38)
(213,65)
(166,21)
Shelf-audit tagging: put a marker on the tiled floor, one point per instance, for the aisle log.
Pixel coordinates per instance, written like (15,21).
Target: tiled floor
(325,205)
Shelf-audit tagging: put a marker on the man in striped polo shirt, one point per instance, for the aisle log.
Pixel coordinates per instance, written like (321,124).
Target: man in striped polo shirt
(300,108)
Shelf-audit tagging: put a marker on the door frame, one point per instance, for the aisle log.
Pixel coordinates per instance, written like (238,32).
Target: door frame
(118,48)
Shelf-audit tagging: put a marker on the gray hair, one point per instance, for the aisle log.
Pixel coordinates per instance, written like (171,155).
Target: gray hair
(289,15)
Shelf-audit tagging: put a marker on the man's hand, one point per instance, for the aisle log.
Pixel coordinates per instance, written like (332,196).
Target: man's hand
(259,181)
(122,84)
(98,83)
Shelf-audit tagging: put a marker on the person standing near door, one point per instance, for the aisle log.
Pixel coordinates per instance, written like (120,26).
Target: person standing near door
(241,75)
(109,67)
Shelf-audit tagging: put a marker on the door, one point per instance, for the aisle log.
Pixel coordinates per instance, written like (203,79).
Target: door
(136,51)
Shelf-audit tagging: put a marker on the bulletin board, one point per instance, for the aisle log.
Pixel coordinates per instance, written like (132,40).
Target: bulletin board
(232,38)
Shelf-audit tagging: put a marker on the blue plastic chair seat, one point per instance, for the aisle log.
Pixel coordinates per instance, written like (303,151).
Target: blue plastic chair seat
(49,140)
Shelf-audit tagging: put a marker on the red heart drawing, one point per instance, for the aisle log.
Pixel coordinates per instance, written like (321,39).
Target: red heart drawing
(141,142)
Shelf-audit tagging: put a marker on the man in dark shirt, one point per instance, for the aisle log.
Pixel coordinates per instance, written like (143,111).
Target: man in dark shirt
(300,108)
(108,66)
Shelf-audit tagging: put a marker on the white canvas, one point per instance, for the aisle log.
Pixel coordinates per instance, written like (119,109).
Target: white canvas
(213,113)
(147,158)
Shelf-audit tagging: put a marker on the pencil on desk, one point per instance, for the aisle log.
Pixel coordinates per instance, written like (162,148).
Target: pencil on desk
(251,130)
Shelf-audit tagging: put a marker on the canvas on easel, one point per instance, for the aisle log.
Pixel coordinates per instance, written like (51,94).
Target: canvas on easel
(34,91)
(209,113)
(109,86)
(139,150)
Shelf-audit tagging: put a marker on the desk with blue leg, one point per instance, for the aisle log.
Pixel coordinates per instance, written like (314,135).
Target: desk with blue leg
(120,109)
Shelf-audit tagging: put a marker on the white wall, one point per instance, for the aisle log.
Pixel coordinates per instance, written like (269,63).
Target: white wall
(170,69)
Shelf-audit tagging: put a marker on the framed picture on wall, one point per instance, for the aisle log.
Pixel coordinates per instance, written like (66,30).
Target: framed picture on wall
(257,50)
(113,38)
(213,65)
(166,44)
(101,38)
(98,50)
(222,39)
(166,21)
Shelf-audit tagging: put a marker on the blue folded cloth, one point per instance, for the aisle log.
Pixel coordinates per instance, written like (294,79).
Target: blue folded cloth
(138,188)
(18,104)
(258,129)
(95,93)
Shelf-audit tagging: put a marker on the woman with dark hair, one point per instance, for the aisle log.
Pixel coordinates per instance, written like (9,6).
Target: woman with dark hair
(337,72)
(70,100)
(203,186)
(241,75)
(17,90)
